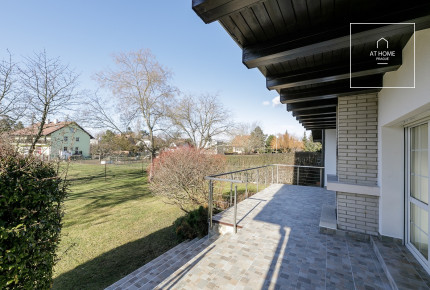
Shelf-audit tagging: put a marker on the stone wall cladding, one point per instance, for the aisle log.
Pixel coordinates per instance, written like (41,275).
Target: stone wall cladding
(357,212)
(357,139)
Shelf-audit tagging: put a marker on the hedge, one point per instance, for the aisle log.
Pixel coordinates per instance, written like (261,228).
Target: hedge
(31,210)
(297,158)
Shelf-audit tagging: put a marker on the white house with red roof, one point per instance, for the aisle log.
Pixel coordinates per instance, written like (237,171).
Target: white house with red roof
(58,140)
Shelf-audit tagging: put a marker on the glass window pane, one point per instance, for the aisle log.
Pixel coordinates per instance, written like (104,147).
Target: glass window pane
(414,236)
(424,244)
(414,138)
(424,158)
(424,217)
(424,136)
(415,161)
(424,189)
(415,192)
(419,217)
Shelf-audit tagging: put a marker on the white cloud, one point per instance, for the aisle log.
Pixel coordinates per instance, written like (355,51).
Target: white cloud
(266,103)
(276,101)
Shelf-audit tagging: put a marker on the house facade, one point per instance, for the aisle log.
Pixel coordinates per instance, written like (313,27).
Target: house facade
(358,77)
(58,140)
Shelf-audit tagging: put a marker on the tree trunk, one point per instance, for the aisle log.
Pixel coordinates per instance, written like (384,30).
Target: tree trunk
(38,135)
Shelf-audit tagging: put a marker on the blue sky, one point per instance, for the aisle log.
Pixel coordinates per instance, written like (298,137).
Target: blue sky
(202,57)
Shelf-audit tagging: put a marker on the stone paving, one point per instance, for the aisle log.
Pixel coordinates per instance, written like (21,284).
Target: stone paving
(279,247)
(400,265)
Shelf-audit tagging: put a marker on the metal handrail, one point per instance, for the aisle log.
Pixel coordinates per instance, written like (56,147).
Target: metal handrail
(215,177)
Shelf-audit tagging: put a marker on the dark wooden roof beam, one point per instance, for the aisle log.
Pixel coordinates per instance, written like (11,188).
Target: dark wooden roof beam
(212,10)
(318,122)
(317,118)
(315,112)
(321,104)
(331,90)
(319,127)
(301,44)
(327,74)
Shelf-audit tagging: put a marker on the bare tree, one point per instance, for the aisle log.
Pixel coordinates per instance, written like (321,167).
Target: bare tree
(201,118)
(49,87)
(142,88)
(99,113)
(11,106)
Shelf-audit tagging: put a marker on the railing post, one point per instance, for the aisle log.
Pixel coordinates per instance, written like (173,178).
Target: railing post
(272,175)
(210,203)
(321,177)
(277,174)
(258,177)
(231,192)
(235,210)
(265,177)
(298,175)
(246,186)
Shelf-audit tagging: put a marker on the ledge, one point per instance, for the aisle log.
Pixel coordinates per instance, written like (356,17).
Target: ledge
(334,184)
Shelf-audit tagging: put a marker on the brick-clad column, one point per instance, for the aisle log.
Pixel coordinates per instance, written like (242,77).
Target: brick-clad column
(358,138)
(357,162)
(357,212)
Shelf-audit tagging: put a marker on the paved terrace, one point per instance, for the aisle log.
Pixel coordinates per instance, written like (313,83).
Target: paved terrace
(278,247)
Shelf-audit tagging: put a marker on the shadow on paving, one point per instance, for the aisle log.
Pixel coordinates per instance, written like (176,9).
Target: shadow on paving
(305,258)
(111,266)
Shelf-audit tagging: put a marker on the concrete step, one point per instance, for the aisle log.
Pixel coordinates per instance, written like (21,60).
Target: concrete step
(401,268)
(156,271)
(182,267)
(176,264)
(122,284)
(328,223)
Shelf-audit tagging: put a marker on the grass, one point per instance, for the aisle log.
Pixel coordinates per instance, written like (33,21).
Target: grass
(111,227)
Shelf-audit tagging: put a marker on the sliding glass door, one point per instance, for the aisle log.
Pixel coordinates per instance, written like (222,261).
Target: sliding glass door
(418,192)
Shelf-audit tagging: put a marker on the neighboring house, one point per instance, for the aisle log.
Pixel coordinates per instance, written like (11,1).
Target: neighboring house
(240,144)
(58,140)
(216,147)
(371,112)
(144,142)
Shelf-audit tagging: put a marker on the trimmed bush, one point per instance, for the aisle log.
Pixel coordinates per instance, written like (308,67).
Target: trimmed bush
(179,176)
(31,199)
(193,225)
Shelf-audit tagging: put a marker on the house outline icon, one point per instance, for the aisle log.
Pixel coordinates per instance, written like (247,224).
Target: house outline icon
(377,43)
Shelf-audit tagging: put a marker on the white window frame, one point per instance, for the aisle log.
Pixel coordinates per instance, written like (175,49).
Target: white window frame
(421,259)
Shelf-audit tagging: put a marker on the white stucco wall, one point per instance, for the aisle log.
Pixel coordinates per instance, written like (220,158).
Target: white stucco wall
(397,107)
(329,153)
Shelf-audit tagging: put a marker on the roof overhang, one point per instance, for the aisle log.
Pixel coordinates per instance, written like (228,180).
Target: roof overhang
(304,48)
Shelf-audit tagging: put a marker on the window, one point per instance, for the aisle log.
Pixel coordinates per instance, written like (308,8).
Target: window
(66,138)
(77,139)
(76,149)
(65,149)
(418,192)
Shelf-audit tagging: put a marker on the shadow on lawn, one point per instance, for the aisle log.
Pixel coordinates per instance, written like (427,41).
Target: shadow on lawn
(106,194)
(111,266)
(104,197)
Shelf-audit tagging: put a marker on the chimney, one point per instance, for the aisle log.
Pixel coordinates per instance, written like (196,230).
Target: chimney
(55,121)
(49,121)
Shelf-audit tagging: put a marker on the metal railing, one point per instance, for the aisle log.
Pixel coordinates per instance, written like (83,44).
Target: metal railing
(268,174)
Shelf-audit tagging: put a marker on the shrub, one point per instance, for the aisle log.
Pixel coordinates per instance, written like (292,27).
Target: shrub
(178,176)
(31,198)
(193,225)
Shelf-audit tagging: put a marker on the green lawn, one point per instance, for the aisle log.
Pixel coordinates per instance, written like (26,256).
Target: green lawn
(110,227)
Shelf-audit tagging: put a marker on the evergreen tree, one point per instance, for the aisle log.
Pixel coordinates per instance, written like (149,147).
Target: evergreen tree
(257,139)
